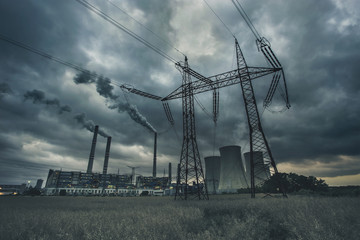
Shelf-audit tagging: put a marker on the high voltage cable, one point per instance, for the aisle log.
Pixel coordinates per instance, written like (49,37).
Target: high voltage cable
(125,29)
(58,60)
(219,19)
(147,28)
(246,18)
(253,27)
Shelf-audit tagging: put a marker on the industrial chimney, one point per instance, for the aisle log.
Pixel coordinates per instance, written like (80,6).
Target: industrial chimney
(92,151)
(169,172)
(107,154)
(154,162)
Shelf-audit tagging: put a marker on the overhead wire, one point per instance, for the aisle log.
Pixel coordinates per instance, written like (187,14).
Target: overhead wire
(227,28)
(147,28)
(202,107)
(125,29)
(56,59)
(246,18)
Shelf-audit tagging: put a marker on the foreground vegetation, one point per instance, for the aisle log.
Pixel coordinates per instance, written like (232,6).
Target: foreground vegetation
(222,217)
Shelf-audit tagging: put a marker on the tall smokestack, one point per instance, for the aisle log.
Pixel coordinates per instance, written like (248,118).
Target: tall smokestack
(169,172)
(107,154)
(92,151)
(154,163)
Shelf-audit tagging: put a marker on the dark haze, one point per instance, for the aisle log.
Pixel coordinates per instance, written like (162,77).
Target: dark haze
(4,89)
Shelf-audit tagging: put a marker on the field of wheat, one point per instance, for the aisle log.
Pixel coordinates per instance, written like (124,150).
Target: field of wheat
(222,217)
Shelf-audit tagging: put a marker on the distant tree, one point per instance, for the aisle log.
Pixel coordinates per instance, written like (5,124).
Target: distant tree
(293,183)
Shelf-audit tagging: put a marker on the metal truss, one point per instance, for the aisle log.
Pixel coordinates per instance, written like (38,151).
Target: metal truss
(191,180)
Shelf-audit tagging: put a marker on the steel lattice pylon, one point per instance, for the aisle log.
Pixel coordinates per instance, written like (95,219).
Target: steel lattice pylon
(191,180)
(260,164)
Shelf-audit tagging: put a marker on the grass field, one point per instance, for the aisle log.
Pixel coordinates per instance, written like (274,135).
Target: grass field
(222,217)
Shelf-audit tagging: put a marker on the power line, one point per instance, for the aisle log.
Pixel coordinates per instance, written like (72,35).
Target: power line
(125,29)
(246,18)
(219,19)
(202,107)
(147,28)
(56,59)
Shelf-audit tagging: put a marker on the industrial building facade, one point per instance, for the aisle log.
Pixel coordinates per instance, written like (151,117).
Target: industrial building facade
(81,183)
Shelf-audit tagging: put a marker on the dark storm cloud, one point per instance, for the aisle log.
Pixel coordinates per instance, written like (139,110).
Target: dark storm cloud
(322,75)
(4,90)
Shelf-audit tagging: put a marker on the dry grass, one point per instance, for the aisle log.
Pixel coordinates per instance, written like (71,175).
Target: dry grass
(222,217)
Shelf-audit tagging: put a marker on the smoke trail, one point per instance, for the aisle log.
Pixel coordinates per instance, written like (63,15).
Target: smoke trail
(104,88)
(88,124)
(84,77)
(133,113)
(4,89)
(38,97)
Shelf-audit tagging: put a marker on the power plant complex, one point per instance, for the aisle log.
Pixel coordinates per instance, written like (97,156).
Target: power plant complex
(89,183)
(226,173)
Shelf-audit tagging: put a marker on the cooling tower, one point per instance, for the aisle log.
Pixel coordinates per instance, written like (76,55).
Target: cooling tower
(92,151)
(261,171)
(232,174)
(107,154)
(154,162)
(212,173)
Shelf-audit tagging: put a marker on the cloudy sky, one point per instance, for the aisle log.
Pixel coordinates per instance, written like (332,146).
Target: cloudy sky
(45,115)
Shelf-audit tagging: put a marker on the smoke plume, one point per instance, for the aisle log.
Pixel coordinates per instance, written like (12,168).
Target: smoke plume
(84,77)
(38,97)
(4,89)
(133,113)
(88,124)
(104,88)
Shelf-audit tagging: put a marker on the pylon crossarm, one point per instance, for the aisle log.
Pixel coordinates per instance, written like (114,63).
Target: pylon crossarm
(222,80)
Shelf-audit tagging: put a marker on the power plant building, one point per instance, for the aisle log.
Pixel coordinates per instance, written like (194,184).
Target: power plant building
(39,184)
(232,172)
(73,179)
(81,183)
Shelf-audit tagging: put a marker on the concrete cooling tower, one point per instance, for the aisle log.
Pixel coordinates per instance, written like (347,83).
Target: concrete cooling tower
(212,173)
(232,173)
(261,171)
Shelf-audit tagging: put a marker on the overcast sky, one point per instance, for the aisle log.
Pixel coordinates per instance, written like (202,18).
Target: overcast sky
(43,111)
